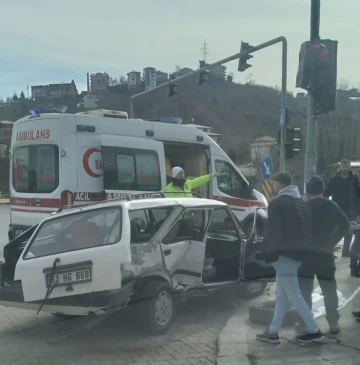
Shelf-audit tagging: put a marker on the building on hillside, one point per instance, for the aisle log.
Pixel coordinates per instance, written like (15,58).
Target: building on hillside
(134,80)
(208,131)
(149,76)
(262,147)
(54,91)
(161,77)
(62,90)
(40,91)
(184,71)
(99,83)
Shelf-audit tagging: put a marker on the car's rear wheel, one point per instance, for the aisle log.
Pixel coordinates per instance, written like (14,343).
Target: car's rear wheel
(158,308)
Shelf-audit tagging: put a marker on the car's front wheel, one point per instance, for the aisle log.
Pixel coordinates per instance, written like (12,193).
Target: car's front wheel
(158,307)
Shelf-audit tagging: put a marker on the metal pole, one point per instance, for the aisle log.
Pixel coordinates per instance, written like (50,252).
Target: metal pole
(207,67)
(283,102)
(310,153)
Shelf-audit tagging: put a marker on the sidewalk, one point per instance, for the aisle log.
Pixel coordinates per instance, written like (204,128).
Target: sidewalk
(237,343)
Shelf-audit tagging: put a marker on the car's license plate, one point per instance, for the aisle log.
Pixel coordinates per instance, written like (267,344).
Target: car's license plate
(69,277)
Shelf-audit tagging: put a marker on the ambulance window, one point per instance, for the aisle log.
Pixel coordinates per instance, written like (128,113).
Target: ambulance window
(35,168)
(131,169)
(125,166)
(230,182)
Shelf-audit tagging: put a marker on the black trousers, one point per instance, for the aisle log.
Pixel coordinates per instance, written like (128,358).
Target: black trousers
(321,265)
(355,253)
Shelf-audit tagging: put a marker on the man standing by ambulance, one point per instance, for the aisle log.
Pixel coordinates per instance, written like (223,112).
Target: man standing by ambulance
(181,187)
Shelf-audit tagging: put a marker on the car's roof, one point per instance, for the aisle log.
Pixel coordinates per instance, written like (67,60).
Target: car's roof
(184,202)
(143,204)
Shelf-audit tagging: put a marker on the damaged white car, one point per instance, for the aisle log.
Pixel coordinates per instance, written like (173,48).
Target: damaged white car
(99,258)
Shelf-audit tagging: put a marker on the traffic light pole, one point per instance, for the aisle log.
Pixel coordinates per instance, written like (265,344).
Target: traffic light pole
(226,60)
(311,128)
(283,105)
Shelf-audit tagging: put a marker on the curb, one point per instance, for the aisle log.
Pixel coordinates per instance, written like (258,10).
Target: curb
(232,345)
(4,202)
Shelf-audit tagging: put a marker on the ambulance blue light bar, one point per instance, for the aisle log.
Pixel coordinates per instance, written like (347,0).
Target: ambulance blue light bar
(169,120)
(48,109)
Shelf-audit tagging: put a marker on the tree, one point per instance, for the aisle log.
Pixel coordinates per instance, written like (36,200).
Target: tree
(339,131)
(15,97)
(244,152)
(22,95)
(232,155)
(123,80)
(114,81)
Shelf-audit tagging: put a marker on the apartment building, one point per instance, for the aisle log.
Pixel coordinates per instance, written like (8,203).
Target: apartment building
(134,80)
(99,83)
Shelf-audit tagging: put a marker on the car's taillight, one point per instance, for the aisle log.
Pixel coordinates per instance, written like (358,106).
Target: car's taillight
(66,198)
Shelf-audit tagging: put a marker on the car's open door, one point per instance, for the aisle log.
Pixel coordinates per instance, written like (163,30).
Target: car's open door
(253,265)
(183,247)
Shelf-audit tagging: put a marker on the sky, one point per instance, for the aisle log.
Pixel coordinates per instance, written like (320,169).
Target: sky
(51,41)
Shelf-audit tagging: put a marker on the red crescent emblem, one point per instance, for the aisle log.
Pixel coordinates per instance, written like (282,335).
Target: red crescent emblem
(86,158)
(148,180)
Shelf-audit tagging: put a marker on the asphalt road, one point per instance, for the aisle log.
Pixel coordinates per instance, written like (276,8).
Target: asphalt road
(119,339)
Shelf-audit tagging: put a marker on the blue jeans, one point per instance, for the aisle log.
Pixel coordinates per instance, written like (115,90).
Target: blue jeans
(287,286)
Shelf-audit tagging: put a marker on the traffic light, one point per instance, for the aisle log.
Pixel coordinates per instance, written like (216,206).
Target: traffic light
(203,76)
(243,65)
(292,141)
(317,72)
(172,86)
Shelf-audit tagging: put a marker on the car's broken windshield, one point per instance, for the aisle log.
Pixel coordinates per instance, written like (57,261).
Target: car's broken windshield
(76,232)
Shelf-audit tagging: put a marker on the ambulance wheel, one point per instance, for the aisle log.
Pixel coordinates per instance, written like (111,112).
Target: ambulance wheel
(158,307)
(252,289)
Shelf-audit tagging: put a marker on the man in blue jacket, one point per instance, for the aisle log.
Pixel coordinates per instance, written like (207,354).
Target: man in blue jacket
(288,238)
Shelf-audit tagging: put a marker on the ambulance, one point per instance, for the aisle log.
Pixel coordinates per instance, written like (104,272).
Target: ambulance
(61,159)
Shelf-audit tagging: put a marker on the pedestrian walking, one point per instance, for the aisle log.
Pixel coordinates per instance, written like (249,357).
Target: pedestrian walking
(329,226)
(288,236)
(355,226)
(181,187)
(339,189)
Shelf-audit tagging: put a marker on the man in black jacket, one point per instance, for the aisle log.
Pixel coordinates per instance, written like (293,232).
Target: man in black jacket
(355,225)
(339,188)
(329,226)
(288,237)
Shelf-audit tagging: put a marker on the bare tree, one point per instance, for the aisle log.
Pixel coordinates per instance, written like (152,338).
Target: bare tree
(339,131)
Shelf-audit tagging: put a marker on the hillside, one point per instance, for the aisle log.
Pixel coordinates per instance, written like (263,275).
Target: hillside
(240,113)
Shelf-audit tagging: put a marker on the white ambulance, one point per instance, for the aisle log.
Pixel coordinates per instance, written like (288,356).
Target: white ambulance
(60,159)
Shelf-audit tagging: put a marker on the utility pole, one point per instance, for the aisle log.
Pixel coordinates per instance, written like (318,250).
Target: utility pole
(311,128)
(204,51)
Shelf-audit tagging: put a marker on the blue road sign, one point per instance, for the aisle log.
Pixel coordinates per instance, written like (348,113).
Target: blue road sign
(282,117)
(267,168)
